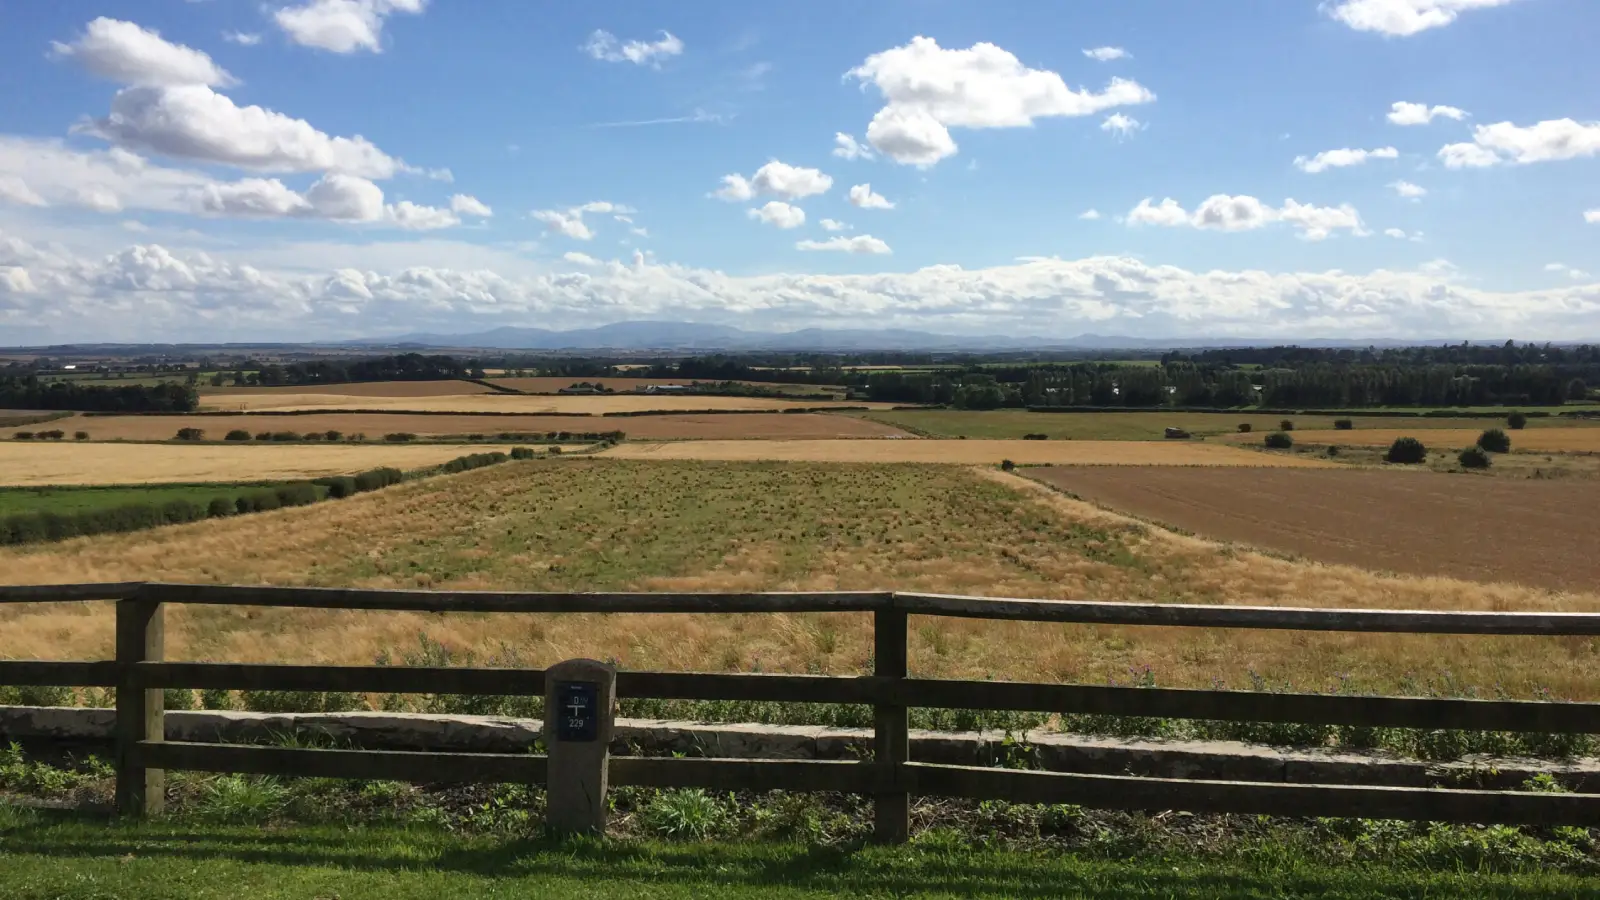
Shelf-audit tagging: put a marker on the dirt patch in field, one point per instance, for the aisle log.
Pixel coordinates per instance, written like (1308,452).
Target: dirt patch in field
(376,425)
(1574,439)
(444,388)
(33,463)
(1085,453)
(1418,523)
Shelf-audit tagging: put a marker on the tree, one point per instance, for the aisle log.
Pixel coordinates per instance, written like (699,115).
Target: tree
(1407,451)
(1286,425)
(1495,441)
(1279,440)
(1517,421)
(1577,389)
(191,434)
(1474,458)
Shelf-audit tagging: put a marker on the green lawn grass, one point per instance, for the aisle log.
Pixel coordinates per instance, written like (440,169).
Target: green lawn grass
(72,499)
(1148,426)
(65,857)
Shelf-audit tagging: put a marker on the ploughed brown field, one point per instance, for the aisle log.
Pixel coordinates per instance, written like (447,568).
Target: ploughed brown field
(376,425)
(1420,523)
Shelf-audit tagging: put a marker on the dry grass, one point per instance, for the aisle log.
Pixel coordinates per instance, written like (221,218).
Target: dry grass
(1577,438)
(514,403)
(600,524)
(35,463)
(442,388)
(1085,453)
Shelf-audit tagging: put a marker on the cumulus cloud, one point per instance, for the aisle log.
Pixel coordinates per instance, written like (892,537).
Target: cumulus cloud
(833,225)
(1505,143)
(929,89)
(1403,113)
(1408,190)
(334,197)
(847,147)
(580,259)
(776,179)
(570,221)
(1403,18)
(1222,212)
(342,26)
(195,122)
(1121,125)
(1398,233)
(242,38)
(1338,159)
(1564,269)
(860,243)
(1089,215)
(861,196)
(1592,216)
(127,53)
(779,213)
(15,191)
(468,205)
(604,46)
(15,280)
(1106,54)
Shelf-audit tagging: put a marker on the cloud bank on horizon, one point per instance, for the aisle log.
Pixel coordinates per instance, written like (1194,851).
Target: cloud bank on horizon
(323,169)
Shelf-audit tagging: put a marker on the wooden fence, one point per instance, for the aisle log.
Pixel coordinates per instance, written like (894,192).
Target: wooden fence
(139,673)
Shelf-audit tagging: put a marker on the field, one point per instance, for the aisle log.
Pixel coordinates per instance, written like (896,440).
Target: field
(33,463)
(1082,453)
(550,385)
(600,524)
(1148,426)
(376,425)
(1420,523)
(68,500)
(1575,439)
(441,388)
(488,401)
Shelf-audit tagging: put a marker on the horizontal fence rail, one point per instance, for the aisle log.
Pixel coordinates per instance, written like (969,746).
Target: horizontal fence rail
(140,674)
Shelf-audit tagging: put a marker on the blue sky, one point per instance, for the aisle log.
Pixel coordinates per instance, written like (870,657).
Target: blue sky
(231,169)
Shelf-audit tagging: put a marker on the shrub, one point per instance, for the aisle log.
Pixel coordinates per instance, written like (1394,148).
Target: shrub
(1279,440)
(399,437)
(263,435)
(339,486)
(1495,441)
(1406,451)
(1343,424)
(1474,458)
(54,435)
(522,453)
(1007,465)
(191,434)
(311,436)
(23,436)
(332,435)
(1036,437)
(1333,451)
(377,478)
(238,434)
(243,505)
(1286,425)
(219,507)
(283,436)
(263,501)
(688,814)
(300,493)
(80,435)
(1244,427)
(1517,421)
(555,451)
(174,512)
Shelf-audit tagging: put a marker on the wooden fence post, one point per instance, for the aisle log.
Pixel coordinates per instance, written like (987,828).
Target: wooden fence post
(141,637)
(891,738)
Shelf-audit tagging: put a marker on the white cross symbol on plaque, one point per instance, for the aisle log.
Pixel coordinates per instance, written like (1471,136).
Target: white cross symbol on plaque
(577,706)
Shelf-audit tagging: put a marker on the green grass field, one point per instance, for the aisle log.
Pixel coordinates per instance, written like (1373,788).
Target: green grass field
(66,500)
(65,858)
(1148,426)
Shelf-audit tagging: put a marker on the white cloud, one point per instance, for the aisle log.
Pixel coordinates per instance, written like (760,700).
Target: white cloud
(334,197)
(415,217)
(126,53)
(833,225)
(1592,216)
(1222,212)
(1397,233)
(1337,159)
(468,205)
(1089,215)
(346,197)
(255,197)
(242,38)
(928,90)
(1403,113)
(776,179)
(99,199)
(860,243)
(195,122)
(15,280)
(1121,125)
(37,172)
(342,26)
(779,213)
(861,196)
(1575,274)
(603,45)
(580,259)
(570,221)
(15,191)
(1403,18)
(1548,141)
(847,147)
(1107,54)
(1408,190)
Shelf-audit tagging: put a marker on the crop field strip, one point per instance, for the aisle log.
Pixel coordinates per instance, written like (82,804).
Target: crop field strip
(1084,453)
(441,388)
(598,524)
(30,463)
(1418,523)
(1553,439)
(528,404)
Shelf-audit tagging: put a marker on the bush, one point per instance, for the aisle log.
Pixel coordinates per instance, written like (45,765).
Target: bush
(238,434)
(191,434)
(1007,465)
(263,435)
(80,435)
(54,435)
(282,436)
(1279,440)
(243,505)
(1333,451)
(311,436)
(688,814)
(1517,421)
(555,451)
(1343,424)
(1036,437)
(1406,451)
(220,507)
(262,501)
(332,435)
(23,436)
(377,478)
(1244,427)
(399,437)
(522,453)
(1474,458)
(300,493)
(1495,441)
(174,512)
(1286,425)
(339,486)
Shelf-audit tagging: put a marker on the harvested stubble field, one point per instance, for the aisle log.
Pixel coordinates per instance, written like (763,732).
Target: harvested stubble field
(441,388)
(376,425)
(592,405)
(1420,523)
(601,524)
(1149,426)
(624,384)
(35,463)
(1573,439)
(1082,453)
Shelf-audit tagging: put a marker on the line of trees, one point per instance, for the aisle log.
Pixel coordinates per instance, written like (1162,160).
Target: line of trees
(404,367)
(29,392)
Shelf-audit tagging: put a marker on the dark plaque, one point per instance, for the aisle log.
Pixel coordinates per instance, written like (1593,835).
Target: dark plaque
(577,719)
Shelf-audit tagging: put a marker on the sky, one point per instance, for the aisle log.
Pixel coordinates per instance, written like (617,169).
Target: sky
(317,170)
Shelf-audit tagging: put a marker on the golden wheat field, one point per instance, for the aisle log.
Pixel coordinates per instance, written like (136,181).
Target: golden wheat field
(526,404)
(38,463)
(441,388)
(1576,439)
(606,524)
(1083,453)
